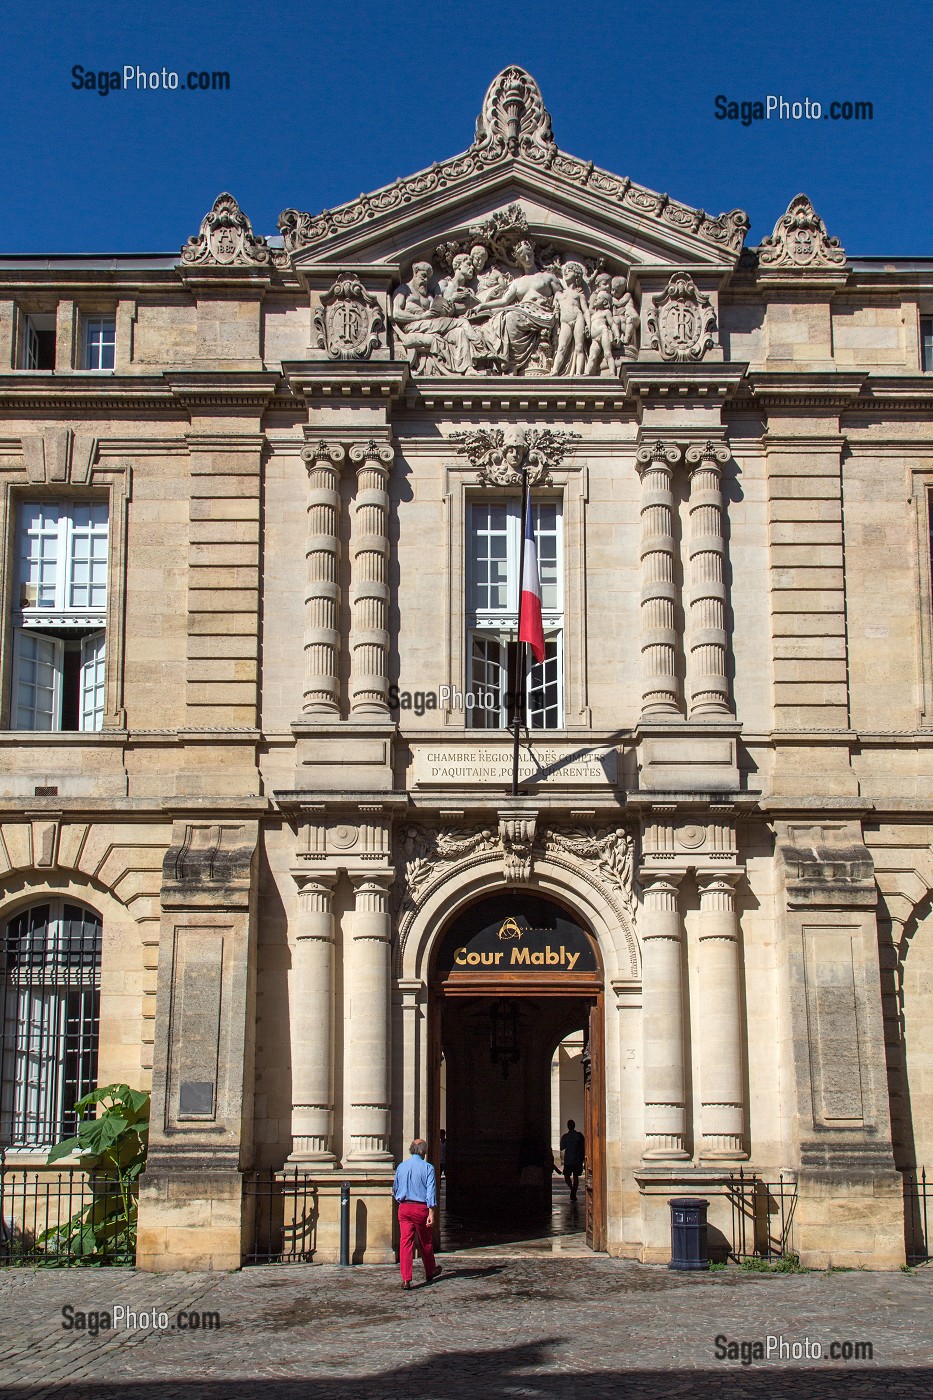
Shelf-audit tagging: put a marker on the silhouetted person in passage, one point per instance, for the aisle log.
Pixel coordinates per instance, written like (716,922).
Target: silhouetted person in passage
(573,1148)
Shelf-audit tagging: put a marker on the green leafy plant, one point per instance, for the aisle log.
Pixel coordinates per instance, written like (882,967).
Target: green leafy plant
(786,1264)
(111,1148)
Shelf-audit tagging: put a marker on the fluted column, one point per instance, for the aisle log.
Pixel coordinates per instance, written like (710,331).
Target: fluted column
(367,972)
(659,642)
(708,683)
(369,633)
(663,1016)
(322,586)
(719,1032)
(311,1012)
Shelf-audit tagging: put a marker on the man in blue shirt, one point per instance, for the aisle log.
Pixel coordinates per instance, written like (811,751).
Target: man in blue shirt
(415,1190)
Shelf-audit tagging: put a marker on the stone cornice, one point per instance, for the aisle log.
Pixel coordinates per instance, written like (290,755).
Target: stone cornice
(805,389)
(597,193)
(346,379)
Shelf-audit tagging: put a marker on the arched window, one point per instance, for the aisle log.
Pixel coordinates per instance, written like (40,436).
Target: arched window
(49,1020)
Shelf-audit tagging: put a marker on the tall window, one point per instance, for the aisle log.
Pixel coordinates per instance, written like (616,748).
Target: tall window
(100,337)
(494,542)
(49,1021)
(926,342)
(60,615)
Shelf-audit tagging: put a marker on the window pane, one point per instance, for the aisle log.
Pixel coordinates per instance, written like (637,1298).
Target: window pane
(87,563)
(546,539)
(38,555)
(486,684)
(544,697)
(99,342)
(92,682)
(35,682)
(488,556)
(926,342)
(49,1020)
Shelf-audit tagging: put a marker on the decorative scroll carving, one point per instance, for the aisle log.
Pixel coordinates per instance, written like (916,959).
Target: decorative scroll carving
(502,303)
(500,454)
(422,850)
(682,320)
(348,321)
(800,240)
(517,836)
(514,125)
(226,239)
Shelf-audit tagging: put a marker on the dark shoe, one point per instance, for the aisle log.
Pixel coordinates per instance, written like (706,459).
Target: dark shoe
(406,1284)
(438,1270)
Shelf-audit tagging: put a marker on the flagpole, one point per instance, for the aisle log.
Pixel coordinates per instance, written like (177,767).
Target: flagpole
(518,692)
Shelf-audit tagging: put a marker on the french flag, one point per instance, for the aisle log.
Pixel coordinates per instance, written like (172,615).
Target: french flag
(530,627)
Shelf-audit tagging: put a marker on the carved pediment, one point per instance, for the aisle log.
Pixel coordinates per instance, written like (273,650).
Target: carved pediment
(226,239)
(514,152)
(800,242)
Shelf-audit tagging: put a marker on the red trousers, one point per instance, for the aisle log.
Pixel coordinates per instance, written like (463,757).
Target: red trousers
(413,1224)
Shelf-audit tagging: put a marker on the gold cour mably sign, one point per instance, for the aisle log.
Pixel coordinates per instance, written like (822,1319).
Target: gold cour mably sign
(511,944)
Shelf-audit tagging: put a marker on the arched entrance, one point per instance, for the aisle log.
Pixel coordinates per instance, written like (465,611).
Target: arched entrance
(514,975)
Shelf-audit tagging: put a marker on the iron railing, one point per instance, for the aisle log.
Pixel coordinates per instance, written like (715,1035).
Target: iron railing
(57,1218)
(283,1215)
(762,1216)
(918,1199)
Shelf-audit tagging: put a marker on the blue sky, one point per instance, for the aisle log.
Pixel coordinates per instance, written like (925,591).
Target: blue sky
(327,100)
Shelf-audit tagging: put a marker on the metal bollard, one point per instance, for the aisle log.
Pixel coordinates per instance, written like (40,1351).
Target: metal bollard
(345,1222)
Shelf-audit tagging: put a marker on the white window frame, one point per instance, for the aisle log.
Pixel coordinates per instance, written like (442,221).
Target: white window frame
(92,348)
(500,625)
(46,608)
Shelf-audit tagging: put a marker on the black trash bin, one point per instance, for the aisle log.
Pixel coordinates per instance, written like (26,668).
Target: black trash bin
(688,1233)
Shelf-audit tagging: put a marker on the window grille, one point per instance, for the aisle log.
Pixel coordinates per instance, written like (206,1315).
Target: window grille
(49,1021)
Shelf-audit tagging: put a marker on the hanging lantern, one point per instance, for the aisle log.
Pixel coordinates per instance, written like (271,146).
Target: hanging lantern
(503,1034)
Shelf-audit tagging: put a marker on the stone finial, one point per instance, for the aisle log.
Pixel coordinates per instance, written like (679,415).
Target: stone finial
(514,114)
(800,241)
(226,239)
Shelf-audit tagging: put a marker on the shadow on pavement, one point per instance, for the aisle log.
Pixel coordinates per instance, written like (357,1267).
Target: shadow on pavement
(529,1370)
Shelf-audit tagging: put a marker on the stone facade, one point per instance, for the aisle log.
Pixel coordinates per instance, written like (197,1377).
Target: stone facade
(736,801)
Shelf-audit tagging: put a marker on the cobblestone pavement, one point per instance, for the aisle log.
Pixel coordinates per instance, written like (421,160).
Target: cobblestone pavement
(491,1326)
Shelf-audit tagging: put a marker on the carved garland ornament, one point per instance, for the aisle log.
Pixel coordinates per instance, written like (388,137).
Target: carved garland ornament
(800,240)
(605,856)
(226,239)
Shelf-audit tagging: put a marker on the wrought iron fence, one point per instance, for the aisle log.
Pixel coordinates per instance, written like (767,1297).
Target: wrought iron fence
(918,1199)
(762,1216)
(59,1218)
(284,1213)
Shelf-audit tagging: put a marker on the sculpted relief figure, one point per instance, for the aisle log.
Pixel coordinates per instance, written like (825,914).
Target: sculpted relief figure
(496,304)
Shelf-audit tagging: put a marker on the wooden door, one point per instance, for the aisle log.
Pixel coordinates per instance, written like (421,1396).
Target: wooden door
(594,1128)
